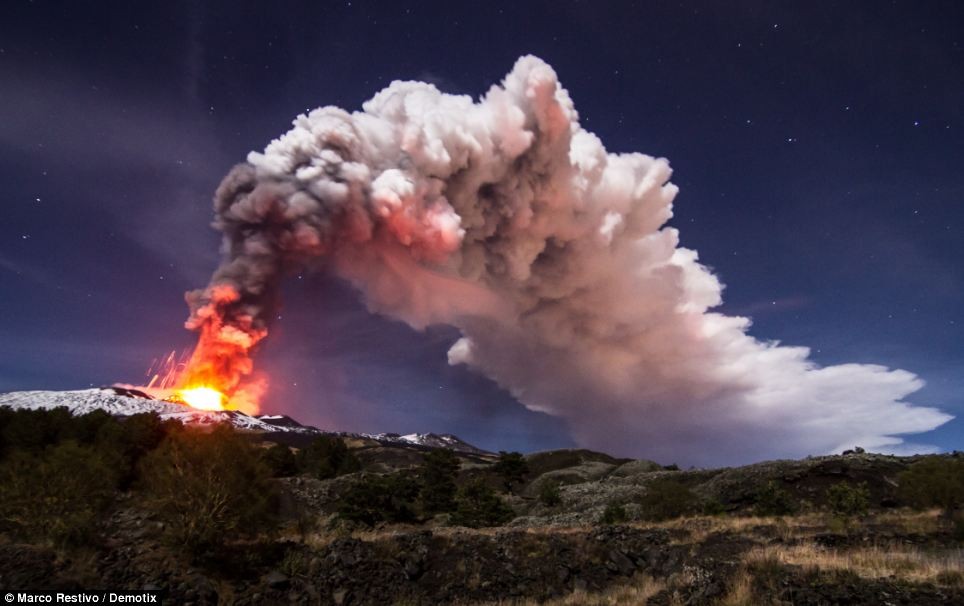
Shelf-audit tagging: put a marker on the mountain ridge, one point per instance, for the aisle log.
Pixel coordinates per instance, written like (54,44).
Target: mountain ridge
(123,401)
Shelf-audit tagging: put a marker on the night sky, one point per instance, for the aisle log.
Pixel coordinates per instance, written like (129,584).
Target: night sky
(818,147)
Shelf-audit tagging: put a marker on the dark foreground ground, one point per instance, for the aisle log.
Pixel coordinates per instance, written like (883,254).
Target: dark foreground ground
(219,518)
(889,559)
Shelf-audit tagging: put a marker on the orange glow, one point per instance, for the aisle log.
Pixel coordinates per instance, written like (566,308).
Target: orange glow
(218,374)
(221,361)
(202,398)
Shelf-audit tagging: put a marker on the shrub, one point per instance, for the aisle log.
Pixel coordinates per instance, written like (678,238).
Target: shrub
(207,486)
(125,441)
(614,513)
(327,457)
(86,428)
(58,495)
(437,477)
(712,507)
(771,500)
(512,468)
(280,461)
(934,482)
(34,430)
(477,505)
(666,498)
(379,498)
(549,493)
(848,500)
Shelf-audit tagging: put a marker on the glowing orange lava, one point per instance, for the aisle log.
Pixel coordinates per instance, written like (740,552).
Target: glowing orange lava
(202,398)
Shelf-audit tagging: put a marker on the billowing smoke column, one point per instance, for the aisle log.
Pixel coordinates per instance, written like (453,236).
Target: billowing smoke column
(509,221)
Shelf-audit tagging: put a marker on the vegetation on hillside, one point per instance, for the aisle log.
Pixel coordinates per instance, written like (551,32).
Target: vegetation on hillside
(61,475)
(599,529)
(207,487)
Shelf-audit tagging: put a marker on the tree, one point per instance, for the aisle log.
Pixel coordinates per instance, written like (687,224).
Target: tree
(549,493)
(379,498)
(847,500)
(477,506)
(280,461)
(327,457)
(125,441)
(58,495)
(86,427)
(437,476)
(512,467)
(614,513)
(934,482)
(208,487)
(34,430)
(666,498)
(771,500)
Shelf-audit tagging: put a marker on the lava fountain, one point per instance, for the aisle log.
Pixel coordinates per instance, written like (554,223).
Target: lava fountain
(219,373)
(202,398)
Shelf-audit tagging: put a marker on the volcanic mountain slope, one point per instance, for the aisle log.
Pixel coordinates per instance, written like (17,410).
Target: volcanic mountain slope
(123,402)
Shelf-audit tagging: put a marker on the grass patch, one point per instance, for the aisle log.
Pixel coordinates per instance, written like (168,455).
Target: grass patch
(872,562)
(638,592)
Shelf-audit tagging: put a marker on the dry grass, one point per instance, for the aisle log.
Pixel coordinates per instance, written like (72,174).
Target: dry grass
(740,591)
(696,527)
(800,526)
(700,527)
(636,593)
(325,531)
(871,562)
(911,522)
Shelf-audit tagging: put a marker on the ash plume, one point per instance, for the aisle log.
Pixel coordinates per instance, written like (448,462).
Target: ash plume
(508,220)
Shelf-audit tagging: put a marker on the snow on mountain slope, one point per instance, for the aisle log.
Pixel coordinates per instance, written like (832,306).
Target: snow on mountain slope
(122,402)
(432,440)
(125,402)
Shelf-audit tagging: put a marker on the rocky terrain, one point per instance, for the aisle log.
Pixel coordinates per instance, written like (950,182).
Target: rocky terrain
(576,527)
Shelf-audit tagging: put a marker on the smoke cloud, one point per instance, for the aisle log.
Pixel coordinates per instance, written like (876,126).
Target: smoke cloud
(508,220)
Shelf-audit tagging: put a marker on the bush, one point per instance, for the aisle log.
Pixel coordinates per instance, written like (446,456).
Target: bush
(848,500)
(477,505)
(85,428)
(58,495)
(380,498)
(712,507)
(957,521)
(327,457)
(934,482)
(666,498)
(614,513)
(280,461)
(549,493)
(34,430)
(125,441)
(771,500)
(512,468)
(437,478)
(207,486)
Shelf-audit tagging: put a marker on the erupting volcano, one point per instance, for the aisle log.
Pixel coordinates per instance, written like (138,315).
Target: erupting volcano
(218,373)
(202,398)
(221,363)
(508,220)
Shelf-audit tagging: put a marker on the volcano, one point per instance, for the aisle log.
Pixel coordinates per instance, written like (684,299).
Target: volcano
(125,402)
